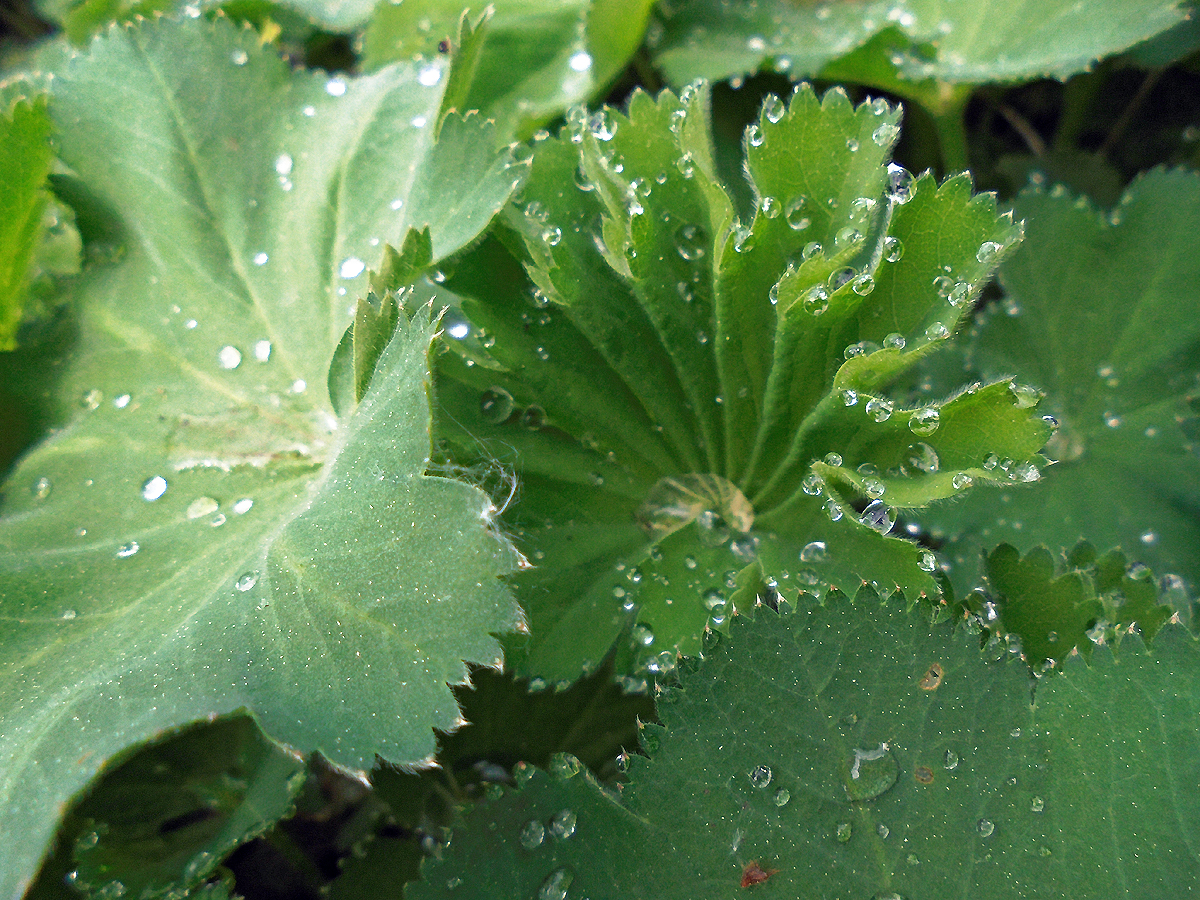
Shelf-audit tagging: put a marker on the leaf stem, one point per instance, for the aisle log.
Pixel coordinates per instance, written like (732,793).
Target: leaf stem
(951,129)
(814,418)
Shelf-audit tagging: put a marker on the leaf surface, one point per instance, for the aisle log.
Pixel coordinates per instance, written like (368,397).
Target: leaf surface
(25,158)
(858,751)
(1108,325)
(536,57)
(199,533)
(919,40)
(690,397)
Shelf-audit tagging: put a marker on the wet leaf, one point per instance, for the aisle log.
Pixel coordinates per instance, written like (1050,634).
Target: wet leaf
(688,396)
(973,789)
(198,533)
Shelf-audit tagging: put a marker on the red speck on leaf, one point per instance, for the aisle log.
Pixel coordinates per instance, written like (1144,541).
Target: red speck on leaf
(755,874)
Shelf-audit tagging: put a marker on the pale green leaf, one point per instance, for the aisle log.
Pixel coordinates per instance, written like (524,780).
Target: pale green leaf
(199,533)
(973,41)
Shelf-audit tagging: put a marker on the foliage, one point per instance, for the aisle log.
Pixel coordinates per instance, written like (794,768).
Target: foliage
(440,456)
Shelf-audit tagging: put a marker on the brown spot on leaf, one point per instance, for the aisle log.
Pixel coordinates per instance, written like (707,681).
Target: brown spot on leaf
(932,677)
(755,874)
(923,774)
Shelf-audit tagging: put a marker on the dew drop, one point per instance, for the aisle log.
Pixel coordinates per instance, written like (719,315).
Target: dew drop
(893,249)
(690,242)
(351,267)
(814,552)
(562,826)
(927,562)
(900,184)
(885,134)
(794,212)
(1037,805)
(879,409)
(532,835)
(937,331)
(239,57)
(816,300)
(262,350)
(335,87)
(754,136)
(242,506)
(41,488)
(429,76)
(770,207)
(924,421)
(923,458)
(495,405)
(556,885)
(154,488)
(988,251)
(844,832)
(877,517)
(760,776)
(950,760)
(246,581)
(863,285)
(986,827)
(870,773)
(782,796)
(127,550)
(773,109)
(849,397)
(580,61)
(962,481)
(643,635)
(229,357)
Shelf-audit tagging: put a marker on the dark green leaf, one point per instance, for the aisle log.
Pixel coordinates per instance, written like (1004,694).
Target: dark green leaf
(1106,320)
(857,751)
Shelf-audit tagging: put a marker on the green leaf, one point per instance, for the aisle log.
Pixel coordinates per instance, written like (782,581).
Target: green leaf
(534,57)
(858,751)
(970,42)
(199,534)
(1107,323)
(161,822)
(1055,609)
(25,158)
(689,395)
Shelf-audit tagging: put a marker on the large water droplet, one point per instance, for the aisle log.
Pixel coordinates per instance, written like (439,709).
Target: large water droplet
(351,267)
(794,211)
(879,409)
(562,826)
(246,581)
(814,552)
(900,184)
(885,134)
(844,832)
(816,300)
(870,773)
(988,251)
(893,249)
(986,827)
(429,76)
(754,136)
(782,796)
(41,488)
(127,550)
(923,458)
(773,109)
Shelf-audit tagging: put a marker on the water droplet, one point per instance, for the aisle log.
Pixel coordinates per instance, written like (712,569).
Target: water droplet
(580,61)
(603,125)
(794,212)
(782,796)
(877,516)
(495,405)
(283,164)
(760,776)
(532,835)
(1024,396)
(924,421)
(429,76)
(260,259)
(986,827)
(564,765)
(41,488)
(773,109)
(690,241)
(834,510)
(229,357)
(894,341)
(879,409)
(643,635)
(844,832)
(849,397)
(154,488)
(335,87)
(1037,805)
(815,552)
(833,459)
(870,773)
(883,831)
(239,57)
(351,267)
(927,562)
(812,484)
(885,134)
(816,300)
(246,581)
(988,251)
(754,136)
(770,207)
(556,885)
(242,506)
(962,481)
(552,236)
(562,826)
(950,761)
(201,506)
(127,550)
(900,184)
(923,458)
(874,488)
(69,614)
(863,285)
